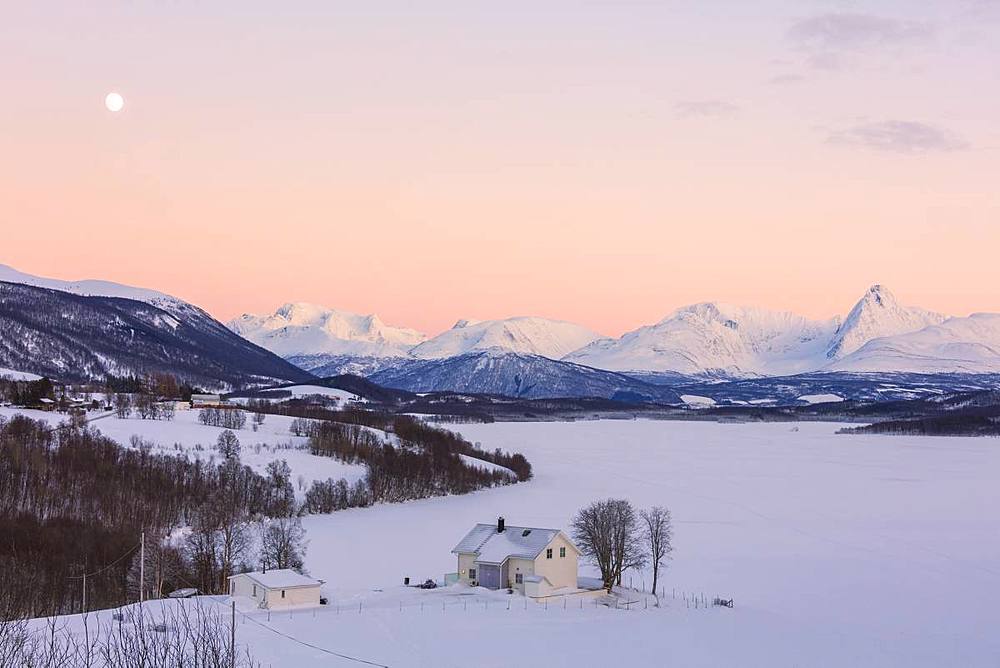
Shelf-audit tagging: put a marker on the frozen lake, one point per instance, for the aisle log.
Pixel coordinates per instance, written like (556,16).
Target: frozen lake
(838,550)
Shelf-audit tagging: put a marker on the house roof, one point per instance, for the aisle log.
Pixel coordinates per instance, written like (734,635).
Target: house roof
(280,578)
(494,548)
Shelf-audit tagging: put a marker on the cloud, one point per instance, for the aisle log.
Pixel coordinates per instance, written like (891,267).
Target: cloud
(785,79)
(704,108)
(827,39)
(909,137)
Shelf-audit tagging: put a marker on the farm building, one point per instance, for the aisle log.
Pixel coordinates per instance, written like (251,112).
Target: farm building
(536,562)
(205,400)
(280,588)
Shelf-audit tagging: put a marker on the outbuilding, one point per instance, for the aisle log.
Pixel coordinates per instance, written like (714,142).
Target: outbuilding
(206,400)
(273,589)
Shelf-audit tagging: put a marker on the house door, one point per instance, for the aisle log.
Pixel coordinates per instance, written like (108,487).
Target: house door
(489,576)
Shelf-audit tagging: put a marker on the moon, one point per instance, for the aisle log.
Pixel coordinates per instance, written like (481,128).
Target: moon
(114,102)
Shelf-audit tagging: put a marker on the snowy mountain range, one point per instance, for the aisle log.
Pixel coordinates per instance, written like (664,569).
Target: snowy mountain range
(709,339)
(318,337)
(736,341)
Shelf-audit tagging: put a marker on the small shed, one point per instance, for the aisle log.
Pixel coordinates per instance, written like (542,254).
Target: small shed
(274,589)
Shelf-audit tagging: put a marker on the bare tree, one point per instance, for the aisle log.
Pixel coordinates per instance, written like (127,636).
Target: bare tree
(283,543)
(228,445)
(199,635)
(607,532)
(657,532)
(123,405)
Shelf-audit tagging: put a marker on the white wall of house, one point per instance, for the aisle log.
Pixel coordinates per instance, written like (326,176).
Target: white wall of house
(561,571)
(515,566)
(281,598)
(466,562)
(242,585)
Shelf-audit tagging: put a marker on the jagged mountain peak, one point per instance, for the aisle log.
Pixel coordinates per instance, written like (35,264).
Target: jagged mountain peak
(878,314)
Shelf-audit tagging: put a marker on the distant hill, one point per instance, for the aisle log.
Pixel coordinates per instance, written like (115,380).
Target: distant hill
(521,376)
(74,337)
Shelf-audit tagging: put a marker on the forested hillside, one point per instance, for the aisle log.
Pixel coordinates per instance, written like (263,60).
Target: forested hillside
(73,337)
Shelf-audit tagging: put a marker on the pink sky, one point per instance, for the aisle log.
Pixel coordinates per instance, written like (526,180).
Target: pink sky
(602,164)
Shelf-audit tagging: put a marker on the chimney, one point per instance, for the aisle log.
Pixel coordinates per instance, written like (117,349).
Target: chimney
(500,526)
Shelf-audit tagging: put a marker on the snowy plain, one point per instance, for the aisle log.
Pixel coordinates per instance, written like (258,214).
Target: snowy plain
(839,550)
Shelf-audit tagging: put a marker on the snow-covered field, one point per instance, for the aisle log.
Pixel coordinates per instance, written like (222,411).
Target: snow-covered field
(184,434)
(838,551)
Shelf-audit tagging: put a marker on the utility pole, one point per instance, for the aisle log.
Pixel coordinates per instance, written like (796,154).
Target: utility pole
(142,566)
(232,636)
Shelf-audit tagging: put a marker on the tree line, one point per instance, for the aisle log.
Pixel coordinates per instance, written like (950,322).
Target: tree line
(408,430)
(75,502)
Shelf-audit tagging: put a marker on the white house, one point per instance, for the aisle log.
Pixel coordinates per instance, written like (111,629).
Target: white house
(536,562)
(280,588)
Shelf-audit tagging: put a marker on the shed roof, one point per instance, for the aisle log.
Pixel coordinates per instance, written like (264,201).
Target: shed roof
(280,578)
(492,547)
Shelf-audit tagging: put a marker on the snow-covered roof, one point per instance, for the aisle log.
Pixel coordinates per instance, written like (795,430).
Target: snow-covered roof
(493,547)
(280,578)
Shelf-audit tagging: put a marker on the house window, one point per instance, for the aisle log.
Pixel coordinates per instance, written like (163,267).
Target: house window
(282,593)
(472,573)
(518,578)
(548,553)
(562,552)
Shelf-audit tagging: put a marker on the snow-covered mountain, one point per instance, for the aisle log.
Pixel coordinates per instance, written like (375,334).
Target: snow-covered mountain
(91,329)
(533,336)
(306,329)
(96,288)
(494,371)
(957,345)
(878,314)
(713,338)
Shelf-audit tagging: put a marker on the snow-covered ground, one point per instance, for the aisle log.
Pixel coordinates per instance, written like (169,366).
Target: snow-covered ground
(820,398)
(697,401)
(838,550)
(184,434)
(12,374)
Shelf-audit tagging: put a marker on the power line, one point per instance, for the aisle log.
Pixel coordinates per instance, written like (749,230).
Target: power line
(311,646)
(101,570)
(303,642)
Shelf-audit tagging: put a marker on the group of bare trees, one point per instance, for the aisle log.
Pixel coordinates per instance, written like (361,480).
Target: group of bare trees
(143,404)
(191,634)
(75,502)
(618,537)
(227,418)
(401,471)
